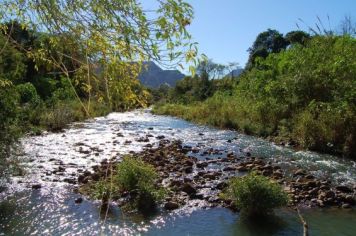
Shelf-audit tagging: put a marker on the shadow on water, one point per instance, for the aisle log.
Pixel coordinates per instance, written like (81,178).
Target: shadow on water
(112,212)
(263,225)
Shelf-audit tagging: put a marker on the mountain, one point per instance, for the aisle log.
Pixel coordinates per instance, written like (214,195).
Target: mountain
(236,72)
(153,76)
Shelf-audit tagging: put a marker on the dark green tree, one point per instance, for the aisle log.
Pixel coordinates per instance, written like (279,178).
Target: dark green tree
(269,41)
(297,36)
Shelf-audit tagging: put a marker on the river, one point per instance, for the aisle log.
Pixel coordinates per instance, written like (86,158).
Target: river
(54,159)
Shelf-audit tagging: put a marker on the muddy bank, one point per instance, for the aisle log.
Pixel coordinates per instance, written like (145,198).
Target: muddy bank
(190,180)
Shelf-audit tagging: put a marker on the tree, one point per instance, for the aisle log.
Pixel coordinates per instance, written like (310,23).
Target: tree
(297,36)
(12,62)
(106,33)
(270,41)
(209,69)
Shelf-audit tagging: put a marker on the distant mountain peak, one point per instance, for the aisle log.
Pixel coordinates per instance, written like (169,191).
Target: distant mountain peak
(154,76)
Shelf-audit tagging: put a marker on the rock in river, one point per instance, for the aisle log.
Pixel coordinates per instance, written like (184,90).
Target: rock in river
(36,186)
(344,189)
(171,205)
(189,189)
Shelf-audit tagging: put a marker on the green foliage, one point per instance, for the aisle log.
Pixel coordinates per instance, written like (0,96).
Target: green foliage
(132,176)
(256,195)
(28,94)
(134,173)
(9,130)
(297,36)
(126,94)
(269,41)
(192,89)
(57,116)
(63,91)
(88,48)
(305,93)
(12,61)
(139,178)
(60,115)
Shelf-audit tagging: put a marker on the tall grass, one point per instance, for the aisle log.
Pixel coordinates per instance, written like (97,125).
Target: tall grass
(133,178)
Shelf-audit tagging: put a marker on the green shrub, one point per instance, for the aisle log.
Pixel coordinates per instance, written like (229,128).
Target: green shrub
(256,195)
(139,178)
(28,93)
(133,178)
(59,116)
(134,173)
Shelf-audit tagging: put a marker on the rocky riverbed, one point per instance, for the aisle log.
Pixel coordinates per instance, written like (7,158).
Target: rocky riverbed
(189,179)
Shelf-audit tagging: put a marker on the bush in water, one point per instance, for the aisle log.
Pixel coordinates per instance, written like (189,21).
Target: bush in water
(256,195)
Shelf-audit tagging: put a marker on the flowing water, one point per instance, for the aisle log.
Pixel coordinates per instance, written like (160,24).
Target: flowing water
(53,159)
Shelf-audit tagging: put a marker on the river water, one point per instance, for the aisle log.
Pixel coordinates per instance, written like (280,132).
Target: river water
(53,159)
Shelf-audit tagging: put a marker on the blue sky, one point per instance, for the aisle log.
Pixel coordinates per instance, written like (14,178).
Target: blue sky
(225,29)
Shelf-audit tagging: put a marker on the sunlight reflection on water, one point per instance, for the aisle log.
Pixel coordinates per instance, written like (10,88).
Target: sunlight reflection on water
(51,210)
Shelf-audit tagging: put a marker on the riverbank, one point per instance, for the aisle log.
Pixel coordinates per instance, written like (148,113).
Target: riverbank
(223,114)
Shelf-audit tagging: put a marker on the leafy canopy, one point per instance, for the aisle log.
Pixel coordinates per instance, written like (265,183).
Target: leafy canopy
(102,36)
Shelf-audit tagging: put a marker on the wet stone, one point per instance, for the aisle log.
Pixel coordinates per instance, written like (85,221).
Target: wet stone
(189,189)
(299,172)
(171,205)
(344,189)
(36,186)
(188,169)
(78,200)
(229,168)
(202,164)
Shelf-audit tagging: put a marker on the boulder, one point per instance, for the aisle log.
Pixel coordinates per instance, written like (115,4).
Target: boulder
(188,169)
(189,189)
(344,189)
(36,186)
(202,164)
(299,172)
(229,168)
(171,205)
(78,200)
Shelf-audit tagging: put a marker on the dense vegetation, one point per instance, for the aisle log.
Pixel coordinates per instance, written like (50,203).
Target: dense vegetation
(302,92)
(255,195)
(35,96)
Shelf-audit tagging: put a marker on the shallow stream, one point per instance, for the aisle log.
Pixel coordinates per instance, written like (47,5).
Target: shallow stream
(54,159)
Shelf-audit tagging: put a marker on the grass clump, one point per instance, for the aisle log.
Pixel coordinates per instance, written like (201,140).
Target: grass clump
(139,179)
(256,195)
(133,182)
